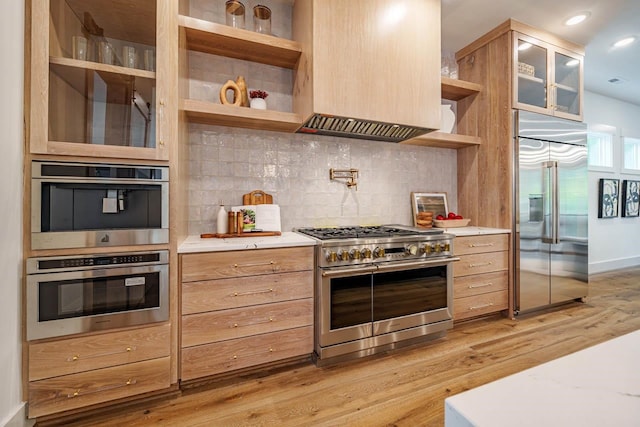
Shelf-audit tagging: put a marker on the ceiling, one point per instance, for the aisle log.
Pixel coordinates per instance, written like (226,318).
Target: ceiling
(463,21)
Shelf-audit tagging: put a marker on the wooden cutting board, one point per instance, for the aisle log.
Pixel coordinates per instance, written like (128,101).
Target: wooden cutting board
(257,197)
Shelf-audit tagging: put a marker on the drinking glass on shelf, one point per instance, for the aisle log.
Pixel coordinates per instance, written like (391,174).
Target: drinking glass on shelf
(234,13)
(105,53)
(79,48)
(262,19)
(129,56)
(149,60)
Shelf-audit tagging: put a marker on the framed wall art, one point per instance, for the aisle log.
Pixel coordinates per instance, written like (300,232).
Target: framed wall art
(608,195)
(630,202)
(429,202)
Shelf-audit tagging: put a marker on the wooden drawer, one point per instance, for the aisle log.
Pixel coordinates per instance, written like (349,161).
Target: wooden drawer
(222,294)
(478,244)
(216,358)
(223,265)
(481,263)
(478,305)
(466,286)
(67,392)
(223,325)
(73,355)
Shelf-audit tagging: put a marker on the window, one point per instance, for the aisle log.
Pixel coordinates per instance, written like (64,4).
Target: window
(631,153)
(600,146)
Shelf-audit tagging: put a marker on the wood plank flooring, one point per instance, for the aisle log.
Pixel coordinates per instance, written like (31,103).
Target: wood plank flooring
(402,388)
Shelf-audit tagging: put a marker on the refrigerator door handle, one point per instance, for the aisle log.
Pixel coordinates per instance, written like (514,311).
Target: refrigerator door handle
(555,208)
(550,233)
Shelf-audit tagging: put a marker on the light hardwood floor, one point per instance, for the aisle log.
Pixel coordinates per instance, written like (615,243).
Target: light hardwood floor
(405,387)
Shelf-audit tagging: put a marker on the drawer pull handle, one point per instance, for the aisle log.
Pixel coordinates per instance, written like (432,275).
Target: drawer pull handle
(130,381)
(480,264)
(256,264)
(477,307)
(480,245)
(267,320)
(76,357)
(481,285)
(244,294)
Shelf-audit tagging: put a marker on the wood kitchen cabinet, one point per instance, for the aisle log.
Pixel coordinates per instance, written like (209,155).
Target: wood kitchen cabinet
(73,373)
(481,277)
(242,309)
(218,39)
(99,78)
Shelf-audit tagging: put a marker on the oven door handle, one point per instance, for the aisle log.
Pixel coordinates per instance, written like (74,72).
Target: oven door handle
(412,265)
(368,269)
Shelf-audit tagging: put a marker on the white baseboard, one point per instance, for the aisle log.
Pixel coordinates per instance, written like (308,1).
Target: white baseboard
(19,419)
(613,264)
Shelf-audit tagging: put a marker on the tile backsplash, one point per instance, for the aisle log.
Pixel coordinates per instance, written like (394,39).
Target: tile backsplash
(226,163)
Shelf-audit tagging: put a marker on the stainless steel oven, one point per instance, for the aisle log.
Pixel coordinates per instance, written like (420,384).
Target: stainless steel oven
(77,205)
(73,294)
(380,289)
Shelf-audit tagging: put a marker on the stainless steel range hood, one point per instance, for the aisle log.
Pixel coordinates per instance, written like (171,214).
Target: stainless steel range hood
(368,69)
(322,124)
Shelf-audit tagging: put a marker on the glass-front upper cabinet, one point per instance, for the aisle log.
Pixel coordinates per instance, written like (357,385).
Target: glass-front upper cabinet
(93,79)
(547,79)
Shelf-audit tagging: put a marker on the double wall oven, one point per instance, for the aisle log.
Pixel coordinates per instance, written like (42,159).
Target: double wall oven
(380,287)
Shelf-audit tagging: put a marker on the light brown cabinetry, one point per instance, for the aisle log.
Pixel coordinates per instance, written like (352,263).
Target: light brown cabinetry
(245,308)
(452,90)
(481,277)
(76,372)
(485,172)
(218,39)
(85,98)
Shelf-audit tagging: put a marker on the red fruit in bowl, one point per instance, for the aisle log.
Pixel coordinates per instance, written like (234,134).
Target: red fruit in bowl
(458,217)
(451,215)
(440,217)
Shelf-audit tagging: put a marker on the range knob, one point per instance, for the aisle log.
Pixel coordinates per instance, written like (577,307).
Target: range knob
(355,254)
(344,255)
(428,248)
(411,250)
(378,252)
(447,247)
(332,256)
(438,247)
(366,253)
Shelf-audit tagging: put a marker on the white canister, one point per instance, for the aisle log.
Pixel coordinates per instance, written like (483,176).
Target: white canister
(258,103)
(448,119)
(222,220)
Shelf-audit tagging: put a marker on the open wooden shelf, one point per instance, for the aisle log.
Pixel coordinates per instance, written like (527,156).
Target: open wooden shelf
(218,39)
(243,117)
(455,90)
(444,140)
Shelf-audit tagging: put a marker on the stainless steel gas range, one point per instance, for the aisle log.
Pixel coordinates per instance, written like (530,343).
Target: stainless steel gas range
(378,288)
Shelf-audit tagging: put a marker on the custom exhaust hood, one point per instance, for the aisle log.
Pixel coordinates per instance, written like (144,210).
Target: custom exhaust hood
(370,69)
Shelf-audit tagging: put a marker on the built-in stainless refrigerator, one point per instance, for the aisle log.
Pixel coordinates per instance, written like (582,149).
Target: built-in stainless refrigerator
(551,213)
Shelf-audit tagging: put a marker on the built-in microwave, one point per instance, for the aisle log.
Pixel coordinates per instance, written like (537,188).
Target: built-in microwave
(80,205)
(74,294)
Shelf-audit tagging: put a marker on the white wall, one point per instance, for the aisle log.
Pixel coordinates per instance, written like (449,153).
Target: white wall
(613,243)
(11,119)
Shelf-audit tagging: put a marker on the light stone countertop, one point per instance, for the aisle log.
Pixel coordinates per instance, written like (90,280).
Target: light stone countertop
(597,386)
(474,231)
(287,239)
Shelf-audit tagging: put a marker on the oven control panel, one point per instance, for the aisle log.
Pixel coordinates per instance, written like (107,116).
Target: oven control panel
(338,255)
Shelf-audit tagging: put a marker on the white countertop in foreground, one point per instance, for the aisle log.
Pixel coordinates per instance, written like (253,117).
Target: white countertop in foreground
(597,386)
(474,231)
(287,239)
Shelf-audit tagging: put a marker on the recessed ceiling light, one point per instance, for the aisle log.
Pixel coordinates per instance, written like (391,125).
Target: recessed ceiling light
(624,42)
(577,18)
(524,46)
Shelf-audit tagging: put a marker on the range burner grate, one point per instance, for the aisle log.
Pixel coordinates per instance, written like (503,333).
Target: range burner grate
(356,232)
